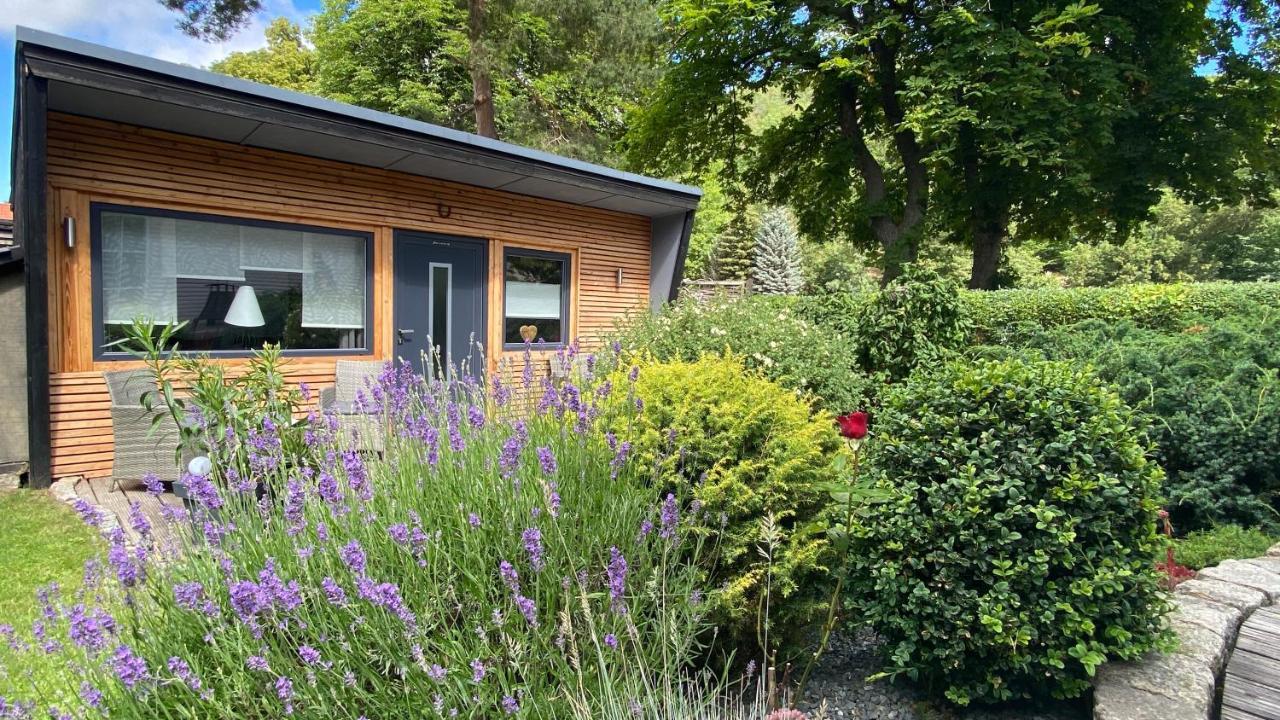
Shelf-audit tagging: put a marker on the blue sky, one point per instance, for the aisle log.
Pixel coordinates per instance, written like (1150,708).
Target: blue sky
(141,26)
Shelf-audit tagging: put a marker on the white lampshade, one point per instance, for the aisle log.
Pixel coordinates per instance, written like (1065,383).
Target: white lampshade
(244,310)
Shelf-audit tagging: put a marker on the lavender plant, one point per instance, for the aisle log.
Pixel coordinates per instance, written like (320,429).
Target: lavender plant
(490,563)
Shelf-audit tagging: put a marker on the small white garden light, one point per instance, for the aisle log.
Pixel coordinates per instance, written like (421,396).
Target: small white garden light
(200,466)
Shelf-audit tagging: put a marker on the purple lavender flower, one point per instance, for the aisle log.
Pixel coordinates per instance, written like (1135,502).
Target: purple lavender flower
(90,629)
(646,527)
(182,671)
(56,714)
(138,521)
(553,499)
(89,695)
(203,491)
(309,655)
(509,460)
(477,670)
(247,599)
(284,691)
(611,640)
(619,459)
(294,506)
(473,520)
(670,517)
(509,705)
(129,668)
(357,475)
(527,608)
(328,490)
(152,483)
(533,545)
(436,673)
(547,460)
(129,570)
(88,512)
(385,595)
(399,533)
(509,576)
(333,591)
(354,557)
(617,574)
(256,662)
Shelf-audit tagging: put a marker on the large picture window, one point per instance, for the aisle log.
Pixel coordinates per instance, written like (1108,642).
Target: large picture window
(236,283)
(536,292)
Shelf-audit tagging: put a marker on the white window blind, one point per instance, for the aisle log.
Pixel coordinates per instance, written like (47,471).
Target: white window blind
(208,251)
(138,268)
(272,249)
(333,277)
(532,300)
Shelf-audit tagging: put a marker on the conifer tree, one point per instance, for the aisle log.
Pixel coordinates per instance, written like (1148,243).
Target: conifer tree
(777,254)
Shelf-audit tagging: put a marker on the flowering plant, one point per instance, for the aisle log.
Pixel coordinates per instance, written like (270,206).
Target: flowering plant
(487,565)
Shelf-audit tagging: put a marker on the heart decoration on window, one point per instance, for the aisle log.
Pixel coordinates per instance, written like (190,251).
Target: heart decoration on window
(528,332)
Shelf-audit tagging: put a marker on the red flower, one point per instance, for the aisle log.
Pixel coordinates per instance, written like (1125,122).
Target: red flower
(853,425)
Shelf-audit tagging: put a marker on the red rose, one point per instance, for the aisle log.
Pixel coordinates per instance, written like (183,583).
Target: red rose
(853,425)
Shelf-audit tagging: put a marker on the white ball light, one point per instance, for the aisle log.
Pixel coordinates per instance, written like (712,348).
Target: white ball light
(200,466)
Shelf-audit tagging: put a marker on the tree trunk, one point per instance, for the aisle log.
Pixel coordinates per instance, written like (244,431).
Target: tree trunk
(988,243)
(481,83)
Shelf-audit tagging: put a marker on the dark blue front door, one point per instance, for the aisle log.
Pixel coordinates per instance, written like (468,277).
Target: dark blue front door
(439,300)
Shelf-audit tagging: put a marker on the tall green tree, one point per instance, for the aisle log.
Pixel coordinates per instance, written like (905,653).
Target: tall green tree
(555,74)
(777,268)
(285,62)
(969,118)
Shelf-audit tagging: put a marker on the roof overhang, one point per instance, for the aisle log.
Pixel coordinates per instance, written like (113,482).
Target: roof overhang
(95,81)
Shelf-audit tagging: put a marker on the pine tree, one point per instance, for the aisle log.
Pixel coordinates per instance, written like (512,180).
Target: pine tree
(735,248)
(777,250)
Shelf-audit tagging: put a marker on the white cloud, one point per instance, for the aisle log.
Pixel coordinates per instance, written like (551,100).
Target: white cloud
(141,26)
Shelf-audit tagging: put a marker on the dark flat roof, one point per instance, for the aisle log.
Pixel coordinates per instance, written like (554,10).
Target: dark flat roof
(101,82)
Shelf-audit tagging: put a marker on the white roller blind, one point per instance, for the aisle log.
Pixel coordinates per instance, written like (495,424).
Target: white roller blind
(138,268)
(271,249)
(532,300)
(208,251)
(333,281)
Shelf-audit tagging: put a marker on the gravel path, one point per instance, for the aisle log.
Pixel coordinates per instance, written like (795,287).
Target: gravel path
(838,689)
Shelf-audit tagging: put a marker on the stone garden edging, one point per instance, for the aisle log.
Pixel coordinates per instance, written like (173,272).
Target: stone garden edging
(1208,611)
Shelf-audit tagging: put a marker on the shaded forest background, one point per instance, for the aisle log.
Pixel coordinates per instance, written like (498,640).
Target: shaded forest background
(1005,144)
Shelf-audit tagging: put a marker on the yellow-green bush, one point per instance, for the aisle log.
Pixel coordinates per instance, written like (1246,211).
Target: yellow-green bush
(752,450)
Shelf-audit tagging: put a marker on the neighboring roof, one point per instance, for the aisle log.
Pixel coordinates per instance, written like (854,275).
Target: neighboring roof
(6,226)
(96,81)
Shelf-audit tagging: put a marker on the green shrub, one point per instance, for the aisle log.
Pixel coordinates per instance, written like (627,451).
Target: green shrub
(1014,554)
(1204,548)
(1213,392)
(768,335)
(916,319)
(1005,315)
(751,450)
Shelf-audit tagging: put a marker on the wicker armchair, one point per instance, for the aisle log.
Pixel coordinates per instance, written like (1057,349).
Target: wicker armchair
(139,448)
(352,377)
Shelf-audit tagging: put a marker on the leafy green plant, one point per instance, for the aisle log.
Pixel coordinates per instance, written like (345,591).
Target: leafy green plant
(916,319)
(240,419)
(767,334)
(1203,548)
(758,462)
(1006,316)
(1213,393)
(1014,555)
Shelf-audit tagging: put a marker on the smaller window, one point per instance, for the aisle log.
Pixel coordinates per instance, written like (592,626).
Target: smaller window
(536,293)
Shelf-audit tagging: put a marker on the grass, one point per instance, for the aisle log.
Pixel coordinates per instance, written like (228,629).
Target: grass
(1205,548)
(41,541)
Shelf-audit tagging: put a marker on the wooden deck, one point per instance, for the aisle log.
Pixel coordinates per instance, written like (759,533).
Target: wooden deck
(1251,688)
(120,499)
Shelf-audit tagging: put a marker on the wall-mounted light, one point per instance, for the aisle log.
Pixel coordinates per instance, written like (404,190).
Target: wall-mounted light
(619,277)
(69,231)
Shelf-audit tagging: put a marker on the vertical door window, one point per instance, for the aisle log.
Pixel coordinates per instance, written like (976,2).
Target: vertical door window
(441,291)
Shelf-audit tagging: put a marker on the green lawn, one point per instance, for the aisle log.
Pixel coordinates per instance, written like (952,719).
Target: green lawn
(41,540)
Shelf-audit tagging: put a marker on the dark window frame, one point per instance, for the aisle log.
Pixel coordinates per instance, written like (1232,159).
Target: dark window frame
(565,328)
(95,271)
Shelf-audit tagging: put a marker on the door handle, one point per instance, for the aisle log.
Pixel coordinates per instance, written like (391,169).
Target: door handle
(403,335)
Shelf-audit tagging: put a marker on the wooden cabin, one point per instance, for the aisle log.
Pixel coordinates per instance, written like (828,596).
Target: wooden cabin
(254,214)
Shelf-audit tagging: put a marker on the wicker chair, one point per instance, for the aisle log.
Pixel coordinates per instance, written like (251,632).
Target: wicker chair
(351,378)
(139,448)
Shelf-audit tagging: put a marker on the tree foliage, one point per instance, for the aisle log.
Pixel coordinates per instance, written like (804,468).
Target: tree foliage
(968,119)
(212,19)
(285,62)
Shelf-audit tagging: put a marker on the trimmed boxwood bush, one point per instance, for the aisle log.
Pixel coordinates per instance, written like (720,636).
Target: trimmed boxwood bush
(1004,315)
(1014,554)
(751,450)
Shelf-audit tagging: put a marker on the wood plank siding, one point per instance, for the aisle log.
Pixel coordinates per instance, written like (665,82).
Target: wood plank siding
(96,161)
